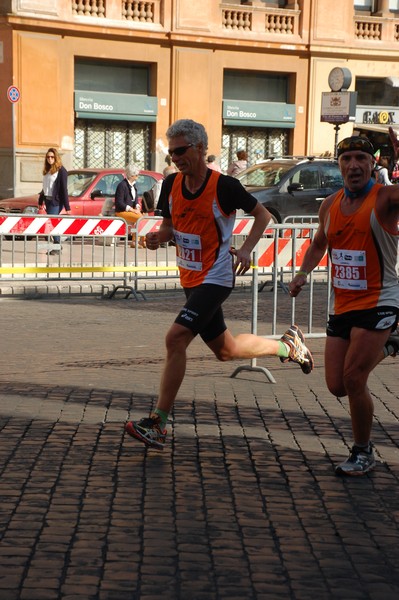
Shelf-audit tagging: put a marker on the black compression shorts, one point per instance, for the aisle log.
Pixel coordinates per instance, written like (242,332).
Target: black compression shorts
(203,313)
(383,317)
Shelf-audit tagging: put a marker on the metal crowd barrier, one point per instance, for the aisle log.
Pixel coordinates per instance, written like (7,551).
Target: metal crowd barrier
(97,249)
(91,249)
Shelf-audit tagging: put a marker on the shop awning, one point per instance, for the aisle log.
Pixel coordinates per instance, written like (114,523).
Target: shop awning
(377,127)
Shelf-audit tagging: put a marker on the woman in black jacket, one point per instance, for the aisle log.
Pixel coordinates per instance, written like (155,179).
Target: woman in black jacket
(55,189)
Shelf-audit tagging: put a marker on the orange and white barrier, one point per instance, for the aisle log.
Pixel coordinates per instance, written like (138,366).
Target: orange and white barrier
(289,250)
(146,225)
(65,225)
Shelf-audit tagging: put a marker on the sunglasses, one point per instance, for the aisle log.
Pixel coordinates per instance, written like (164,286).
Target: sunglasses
(50,156)
(355,143)
(180,150)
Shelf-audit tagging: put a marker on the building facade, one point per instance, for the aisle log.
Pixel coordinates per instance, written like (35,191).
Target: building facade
(101,80)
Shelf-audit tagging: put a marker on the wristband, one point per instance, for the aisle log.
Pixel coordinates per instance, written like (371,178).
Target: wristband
(302,273)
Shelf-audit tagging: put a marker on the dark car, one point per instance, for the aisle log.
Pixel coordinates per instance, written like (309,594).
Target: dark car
(292,188)
(87,190)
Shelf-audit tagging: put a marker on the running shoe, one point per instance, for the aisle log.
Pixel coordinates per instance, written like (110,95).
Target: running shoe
(148,431)
(392,344)
(360,462)
(299,353)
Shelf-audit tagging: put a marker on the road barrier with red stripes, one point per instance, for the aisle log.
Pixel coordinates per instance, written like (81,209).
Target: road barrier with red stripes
(102,243)
(96,250)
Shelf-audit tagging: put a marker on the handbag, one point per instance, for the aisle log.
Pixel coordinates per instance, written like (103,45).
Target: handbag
(42,198)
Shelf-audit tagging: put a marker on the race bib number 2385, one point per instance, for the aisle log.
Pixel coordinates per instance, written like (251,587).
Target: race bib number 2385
(349,269)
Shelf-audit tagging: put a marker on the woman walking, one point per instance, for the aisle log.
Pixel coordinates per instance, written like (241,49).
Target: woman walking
(54,194)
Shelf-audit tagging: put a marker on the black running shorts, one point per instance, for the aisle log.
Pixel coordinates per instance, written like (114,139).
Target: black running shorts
(203,313)
(383,317)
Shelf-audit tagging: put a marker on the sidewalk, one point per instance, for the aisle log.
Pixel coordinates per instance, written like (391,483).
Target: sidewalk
(243,503)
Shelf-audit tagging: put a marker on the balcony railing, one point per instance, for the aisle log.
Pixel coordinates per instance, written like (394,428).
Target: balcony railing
(376,29)
(130,10)
(88,8)
(271,21)
(138,11)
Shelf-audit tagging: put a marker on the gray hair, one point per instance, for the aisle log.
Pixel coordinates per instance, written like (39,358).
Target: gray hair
(193,132)
(132,170)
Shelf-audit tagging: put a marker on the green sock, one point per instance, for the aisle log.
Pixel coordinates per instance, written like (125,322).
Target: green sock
(163,415)
(283,350)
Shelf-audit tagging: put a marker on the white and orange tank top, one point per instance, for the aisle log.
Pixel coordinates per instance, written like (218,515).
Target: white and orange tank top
(202,234)
(363,257)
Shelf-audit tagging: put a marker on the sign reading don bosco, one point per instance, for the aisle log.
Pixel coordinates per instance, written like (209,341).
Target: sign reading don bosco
(97,105)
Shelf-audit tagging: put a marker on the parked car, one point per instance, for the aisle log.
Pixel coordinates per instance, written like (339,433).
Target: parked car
(87,190)
(292,187)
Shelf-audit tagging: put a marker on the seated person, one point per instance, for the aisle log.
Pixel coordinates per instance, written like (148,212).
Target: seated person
(126,198)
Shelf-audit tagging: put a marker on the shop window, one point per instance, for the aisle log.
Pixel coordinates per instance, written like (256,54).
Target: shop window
(376,92)
(111,144)
(259,143)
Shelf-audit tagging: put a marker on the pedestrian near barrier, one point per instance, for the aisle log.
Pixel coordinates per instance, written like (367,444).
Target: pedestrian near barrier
(54,194)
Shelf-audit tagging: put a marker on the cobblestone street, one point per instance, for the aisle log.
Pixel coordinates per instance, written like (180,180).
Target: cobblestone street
(242,504)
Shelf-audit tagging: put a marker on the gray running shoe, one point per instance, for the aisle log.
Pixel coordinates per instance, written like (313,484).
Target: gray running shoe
(392,344)
(358,463)
(148,431)
(299,353)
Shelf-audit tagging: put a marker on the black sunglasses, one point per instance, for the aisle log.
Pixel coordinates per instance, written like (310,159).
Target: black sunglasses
(180,150)
(355,143)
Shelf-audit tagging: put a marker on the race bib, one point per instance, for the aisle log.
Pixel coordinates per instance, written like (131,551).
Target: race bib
(188,251)
(349,269)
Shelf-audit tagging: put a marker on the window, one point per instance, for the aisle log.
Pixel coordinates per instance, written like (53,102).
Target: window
(111,76)
(107,185)
(255,86)
(308,177)
(331,177)
(376,92)
(365,5)
(271,3)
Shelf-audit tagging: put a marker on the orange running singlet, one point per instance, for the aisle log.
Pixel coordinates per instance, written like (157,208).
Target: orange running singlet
(202,234)
(363,258)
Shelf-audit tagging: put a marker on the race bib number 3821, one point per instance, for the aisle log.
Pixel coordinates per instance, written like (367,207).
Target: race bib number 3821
(349,269)
(188,251)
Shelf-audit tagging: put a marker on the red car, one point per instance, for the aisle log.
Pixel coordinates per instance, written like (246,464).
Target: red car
(87,190)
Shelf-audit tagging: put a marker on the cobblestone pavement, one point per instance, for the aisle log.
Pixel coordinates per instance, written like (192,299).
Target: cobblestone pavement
(242,504)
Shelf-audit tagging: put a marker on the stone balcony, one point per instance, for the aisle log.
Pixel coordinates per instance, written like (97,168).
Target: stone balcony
(253,21)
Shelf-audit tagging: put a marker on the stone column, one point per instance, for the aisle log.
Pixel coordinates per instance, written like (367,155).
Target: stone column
(383,9)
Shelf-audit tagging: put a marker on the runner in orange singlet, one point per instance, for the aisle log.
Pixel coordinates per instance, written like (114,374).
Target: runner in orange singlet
(358,225)
(198,209)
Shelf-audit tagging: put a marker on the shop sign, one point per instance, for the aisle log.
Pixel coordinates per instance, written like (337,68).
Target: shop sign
(373,115)
(338,107)
(258,114)
(99,105)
